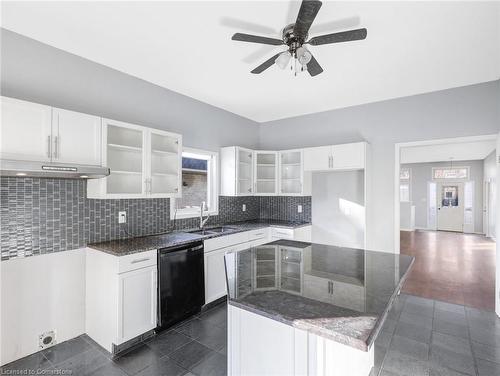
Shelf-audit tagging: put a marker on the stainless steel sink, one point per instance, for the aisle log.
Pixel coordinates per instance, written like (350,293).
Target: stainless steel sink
(221,229)
(213,230)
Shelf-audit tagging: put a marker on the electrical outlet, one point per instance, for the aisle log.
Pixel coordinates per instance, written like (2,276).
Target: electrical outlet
(299,208)
(244,207)
(122,217)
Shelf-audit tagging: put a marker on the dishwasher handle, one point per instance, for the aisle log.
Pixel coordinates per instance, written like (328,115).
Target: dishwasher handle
(188,247)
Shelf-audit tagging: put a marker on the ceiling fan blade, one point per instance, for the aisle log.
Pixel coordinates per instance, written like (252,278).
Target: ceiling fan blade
(344,36)
(266,64)
(307,13)
(313,67)
(256,39)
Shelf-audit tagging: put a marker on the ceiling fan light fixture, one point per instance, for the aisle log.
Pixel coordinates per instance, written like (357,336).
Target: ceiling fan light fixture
(303,56)
(283,59)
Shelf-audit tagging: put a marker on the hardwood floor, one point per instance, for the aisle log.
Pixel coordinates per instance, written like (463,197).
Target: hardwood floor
(451,267)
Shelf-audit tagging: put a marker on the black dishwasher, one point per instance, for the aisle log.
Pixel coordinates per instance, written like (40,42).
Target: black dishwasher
(181,283)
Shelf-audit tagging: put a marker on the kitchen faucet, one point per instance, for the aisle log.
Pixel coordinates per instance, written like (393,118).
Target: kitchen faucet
(203,220)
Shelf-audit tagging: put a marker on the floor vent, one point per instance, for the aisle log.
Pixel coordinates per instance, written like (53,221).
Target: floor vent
(47,339)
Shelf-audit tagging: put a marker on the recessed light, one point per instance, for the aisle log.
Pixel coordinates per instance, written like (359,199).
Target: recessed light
(21,174)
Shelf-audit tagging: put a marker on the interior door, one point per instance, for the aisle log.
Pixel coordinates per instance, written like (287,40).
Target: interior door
(450,206)
(76,137)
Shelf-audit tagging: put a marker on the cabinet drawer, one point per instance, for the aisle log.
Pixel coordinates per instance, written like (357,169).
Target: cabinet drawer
(282,233)
(258,234)
(225,241)
(137,261)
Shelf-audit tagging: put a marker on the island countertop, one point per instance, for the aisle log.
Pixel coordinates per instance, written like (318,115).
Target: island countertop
(342,294)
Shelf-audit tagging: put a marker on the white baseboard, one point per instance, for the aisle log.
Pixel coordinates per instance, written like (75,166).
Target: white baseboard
(406,229)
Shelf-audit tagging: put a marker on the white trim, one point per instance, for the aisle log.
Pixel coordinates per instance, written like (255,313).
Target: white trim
(212,157)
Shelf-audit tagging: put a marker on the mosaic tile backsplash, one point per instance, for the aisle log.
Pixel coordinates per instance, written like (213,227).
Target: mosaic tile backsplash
(40,216)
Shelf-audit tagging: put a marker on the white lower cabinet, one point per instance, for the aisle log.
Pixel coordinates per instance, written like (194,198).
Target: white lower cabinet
(136,302)
(215,275)
(121,296)
(258,345)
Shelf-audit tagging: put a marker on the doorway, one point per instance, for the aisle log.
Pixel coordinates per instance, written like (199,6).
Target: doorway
(454,259)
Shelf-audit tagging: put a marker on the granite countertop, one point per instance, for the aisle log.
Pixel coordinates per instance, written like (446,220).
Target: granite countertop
(122,247)
(363,287)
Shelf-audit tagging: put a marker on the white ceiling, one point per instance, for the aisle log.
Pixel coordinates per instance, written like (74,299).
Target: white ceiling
(456,151)
(411,48)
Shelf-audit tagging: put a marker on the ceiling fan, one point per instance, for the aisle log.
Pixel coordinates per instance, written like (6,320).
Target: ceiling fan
(295,37)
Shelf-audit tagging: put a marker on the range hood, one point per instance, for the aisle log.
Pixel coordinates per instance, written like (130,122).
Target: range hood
(9,167)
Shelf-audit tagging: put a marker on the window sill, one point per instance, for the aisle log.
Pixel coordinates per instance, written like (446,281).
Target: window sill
(186,214)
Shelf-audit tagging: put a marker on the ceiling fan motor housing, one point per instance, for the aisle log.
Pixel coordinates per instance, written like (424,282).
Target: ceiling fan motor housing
(291,40)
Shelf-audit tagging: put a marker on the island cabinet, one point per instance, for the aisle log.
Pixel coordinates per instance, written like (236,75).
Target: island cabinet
(325,322)
(144,162)
(258,345)
(121,297)
(35,132)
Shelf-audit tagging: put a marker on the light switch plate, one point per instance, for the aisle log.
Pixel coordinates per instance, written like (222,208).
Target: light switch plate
(244,207)
(122,217)
(299,208)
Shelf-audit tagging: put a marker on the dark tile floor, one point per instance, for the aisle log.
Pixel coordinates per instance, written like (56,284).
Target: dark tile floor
(196,346)
(421,337)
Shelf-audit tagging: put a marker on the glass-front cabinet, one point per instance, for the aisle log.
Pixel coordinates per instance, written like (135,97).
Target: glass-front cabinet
(143,162)
(266,172)
(244,171)
(291,172)
(165,163)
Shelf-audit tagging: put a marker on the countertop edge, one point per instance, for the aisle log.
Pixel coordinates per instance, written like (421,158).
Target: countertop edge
(383,317)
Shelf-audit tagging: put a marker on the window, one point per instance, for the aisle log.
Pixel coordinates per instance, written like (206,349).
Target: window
(456,173)
(404,184)
(199,185)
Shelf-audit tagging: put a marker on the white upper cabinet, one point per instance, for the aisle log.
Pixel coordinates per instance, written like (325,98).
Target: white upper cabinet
(144,162)
(265,173)
(26,131)
(318,158)
(349,156)
(237,171)
(76,137)
(165,156)
(335,157)
(35,132)
(291,173)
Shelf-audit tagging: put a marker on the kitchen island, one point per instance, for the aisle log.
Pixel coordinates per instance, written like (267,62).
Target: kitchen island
(300,308)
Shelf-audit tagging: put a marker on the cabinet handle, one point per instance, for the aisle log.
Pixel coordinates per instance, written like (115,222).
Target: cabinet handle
(177,189)
(56,146)
(249,189)
(136,261)
(48,146)
(259,234)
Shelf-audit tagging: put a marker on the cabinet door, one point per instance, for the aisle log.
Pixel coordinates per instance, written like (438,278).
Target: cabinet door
(291,173)
(318,158)
(124,155)
(265,173)
(244,172)
(349,156)
(165,164)
(136,303)
(76,137)
(25,132)
(215,275)
(317,288)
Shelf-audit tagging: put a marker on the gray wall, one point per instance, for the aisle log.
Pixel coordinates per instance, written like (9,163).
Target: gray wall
(466,111)
(40,73)
(421,173)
